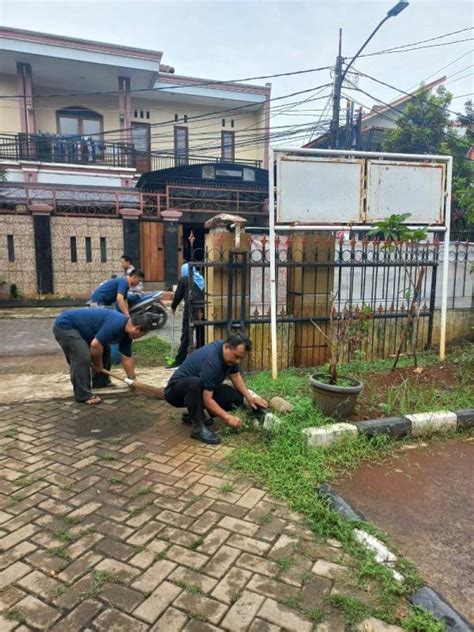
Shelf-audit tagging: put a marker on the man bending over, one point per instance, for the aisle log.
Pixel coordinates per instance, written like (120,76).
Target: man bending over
(197,384)
(85,336)
(116,291)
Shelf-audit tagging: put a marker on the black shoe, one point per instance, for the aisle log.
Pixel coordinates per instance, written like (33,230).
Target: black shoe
(205,435)
(186,419)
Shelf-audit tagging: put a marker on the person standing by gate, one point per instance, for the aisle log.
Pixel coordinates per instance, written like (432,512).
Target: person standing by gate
(191,291)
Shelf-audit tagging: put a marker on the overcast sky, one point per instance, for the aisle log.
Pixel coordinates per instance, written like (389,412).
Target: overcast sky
(230,39)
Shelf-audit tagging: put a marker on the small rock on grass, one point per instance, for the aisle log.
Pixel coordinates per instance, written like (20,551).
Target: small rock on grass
(281,405)
(376,625)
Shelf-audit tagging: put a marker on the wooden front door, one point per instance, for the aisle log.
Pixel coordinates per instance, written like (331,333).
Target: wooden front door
(152,251)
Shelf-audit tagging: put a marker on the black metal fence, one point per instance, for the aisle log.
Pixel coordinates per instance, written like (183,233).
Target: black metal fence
(373,284)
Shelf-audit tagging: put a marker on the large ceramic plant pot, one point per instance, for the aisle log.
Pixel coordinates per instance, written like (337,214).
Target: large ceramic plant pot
(332,399)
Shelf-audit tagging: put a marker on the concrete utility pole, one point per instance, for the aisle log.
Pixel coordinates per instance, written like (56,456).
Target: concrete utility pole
(340,75)
(336,104)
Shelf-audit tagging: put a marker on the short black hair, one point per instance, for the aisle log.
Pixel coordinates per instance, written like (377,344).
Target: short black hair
(127,258)
(143,320)
(235,340)
(137,273)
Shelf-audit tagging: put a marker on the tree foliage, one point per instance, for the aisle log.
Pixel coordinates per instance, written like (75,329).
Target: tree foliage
(425,128)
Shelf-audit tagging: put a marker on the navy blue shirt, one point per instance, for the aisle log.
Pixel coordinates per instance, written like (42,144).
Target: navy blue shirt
(107,325)
(206,363)
(106,293)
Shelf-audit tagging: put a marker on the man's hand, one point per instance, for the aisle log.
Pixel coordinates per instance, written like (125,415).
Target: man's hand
(233,422)
(257,402)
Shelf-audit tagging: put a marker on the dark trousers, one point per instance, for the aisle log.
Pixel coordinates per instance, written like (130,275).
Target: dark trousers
(184,342)
(78,356)
(188,393)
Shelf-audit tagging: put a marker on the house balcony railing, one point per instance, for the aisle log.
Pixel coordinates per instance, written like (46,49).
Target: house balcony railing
(77,200)
(96,150)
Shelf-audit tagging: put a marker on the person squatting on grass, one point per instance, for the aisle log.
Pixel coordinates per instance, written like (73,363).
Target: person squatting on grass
(85,336)
(197,384)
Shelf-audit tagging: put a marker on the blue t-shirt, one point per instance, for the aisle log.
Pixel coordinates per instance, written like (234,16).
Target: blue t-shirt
(206,363)
(106,293)
(107,325)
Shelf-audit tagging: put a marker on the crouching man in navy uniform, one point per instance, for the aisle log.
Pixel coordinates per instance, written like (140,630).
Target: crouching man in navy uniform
(197,384)
(85,336)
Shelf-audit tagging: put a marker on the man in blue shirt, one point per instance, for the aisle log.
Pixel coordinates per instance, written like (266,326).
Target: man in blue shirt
(85,334)
(197,384)
(116,290)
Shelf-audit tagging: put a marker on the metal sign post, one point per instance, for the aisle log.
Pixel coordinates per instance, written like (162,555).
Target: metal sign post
(304,201)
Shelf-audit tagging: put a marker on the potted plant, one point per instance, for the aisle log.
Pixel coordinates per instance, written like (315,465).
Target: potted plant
(335,394)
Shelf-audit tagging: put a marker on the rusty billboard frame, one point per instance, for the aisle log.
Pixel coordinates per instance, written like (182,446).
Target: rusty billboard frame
(443,226)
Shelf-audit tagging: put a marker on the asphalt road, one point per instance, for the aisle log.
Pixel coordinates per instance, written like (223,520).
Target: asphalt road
(27,335)
(422,497)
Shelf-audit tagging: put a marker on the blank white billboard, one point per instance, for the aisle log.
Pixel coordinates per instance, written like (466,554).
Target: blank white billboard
(403,187)
(315,190)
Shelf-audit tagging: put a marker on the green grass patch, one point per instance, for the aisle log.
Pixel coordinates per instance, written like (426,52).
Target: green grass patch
(292,471)
(152,351)
(115,480)
(196,544)
(419,620)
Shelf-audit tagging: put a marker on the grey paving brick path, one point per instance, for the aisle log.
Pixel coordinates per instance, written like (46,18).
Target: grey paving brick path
(113,519)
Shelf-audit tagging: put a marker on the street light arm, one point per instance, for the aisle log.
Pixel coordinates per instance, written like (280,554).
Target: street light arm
(387,17)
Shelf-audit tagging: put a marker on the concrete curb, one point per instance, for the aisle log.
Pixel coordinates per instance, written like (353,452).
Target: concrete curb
(416,425)
(425,596)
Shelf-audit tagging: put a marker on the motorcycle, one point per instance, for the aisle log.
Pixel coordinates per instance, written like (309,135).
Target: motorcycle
(149,303)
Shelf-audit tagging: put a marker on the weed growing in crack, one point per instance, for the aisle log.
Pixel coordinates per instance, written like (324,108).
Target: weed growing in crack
(226,488)
(58,551)
(107,456)
(136,511)
(142,491)
(354,610)
(15,615)
(196,544)
(190,502)
(98,580)
(58,590)
(197,615)
(285,563)
(292,602)
(65,536)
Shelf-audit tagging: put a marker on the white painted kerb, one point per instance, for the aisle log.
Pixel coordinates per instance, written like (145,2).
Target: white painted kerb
(427,423)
